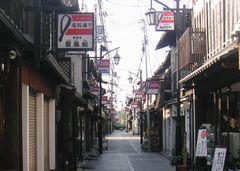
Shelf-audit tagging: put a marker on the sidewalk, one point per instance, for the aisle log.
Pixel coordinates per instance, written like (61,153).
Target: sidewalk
(124,154)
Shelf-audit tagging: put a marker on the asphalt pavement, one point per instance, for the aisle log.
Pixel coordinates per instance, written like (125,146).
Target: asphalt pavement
(124,154)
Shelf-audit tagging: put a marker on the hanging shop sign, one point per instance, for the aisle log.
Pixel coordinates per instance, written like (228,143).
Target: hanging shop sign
(219,159)
(135,104)
(105,100)
(75,31)
(95,90)
(152,87)
(138,94)
(164,21)
(201,149)
(104,66)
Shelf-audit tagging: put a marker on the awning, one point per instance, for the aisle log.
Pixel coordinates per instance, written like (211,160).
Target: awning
(168,38)
(222,54)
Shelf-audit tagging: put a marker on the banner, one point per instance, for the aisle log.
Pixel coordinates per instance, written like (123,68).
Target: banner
(201,149)
(75,31)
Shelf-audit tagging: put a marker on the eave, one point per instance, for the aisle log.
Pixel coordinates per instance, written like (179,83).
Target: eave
(168,38)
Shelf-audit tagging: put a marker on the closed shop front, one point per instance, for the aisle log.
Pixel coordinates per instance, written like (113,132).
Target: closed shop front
(46,134)
(32,132)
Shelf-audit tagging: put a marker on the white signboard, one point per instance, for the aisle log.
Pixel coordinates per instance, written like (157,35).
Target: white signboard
(75,31)
(104,66)
(219,159)
(165,21)
(201,149)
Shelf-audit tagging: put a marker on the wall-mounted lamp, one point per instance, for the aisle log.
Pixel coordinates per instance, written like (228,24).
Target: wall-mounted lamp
(12,54)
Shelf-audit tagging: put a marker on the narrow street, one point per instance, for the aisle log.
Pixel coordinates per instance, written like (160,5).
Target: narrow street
(124,154)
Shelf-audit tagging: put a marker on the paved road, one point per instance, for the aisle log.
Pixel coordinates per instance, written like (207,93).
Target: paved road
(124,154)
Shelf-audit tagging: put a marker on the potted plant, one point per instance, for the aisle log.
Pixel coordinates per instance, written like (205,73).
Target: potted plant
(180,161)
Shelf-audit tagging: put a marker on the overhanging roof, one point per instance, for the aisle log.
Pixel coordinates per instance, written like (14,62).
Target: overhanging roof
(7,26)
(168,38)
(222,54)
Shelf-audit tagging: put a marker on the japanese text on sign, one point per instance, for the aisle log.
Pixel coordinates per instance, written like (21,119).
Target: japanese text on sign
(219,159)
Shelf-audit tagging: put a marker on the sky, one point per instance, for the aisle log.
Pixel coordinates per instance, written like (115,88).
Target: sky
(124,29)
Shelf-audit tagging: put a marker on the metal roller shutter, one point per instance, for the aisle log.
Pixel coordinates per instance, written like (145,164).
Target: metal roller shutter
(46,135)
(32,132)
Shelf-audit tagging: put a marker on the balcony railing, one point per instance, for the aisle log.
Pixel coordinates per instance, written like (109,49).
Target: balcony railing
(192,50)
(67,67)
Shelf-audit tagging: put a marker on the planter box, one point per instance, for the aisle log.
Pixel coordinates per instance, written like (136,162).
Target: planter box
(182,168)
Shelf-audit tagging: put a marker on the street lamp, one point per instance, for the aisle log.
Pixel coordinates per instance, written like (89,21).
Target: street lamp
(116,58)
(151,17)
(100,135)
(130,79)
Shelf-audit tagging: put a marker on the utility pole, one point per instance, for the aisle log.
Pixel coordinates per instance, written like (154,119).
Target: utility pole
(146,57)
(141,113)
(178,142)
(100,110)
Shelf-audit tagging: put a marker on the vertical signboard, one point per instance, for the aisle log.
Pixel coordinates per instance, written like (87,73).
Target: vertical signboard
(164,21)
(201,149)
(75,31)
(219,159)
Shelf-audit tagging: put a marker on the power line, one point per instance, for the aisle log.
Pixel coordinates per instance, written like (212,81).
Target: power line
(127,5)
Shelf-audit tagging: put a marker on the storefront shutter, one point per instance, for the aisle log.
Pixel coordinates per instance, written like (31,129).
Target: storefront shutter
(32,132)
(46,134)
